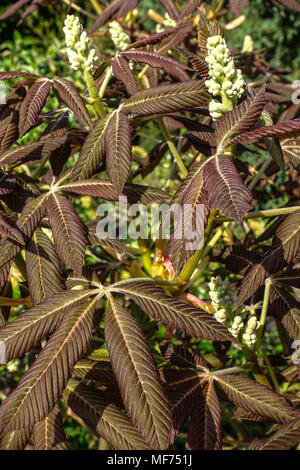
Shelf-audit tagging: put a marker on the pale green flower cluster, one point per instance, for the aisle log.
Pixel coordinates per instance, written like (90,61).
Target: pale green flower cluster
(79,50)
(120,39)
(249,337)
(226,81)
(234,319)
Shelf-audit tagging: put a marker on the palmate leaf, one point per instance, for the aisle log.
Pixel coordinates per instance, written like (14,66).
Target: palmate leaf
(33,104)
(154,301)
(182,389)
(92,152)
(42,385)
(68,231)
(33,151)
(137,376)
(43,267)
(167,98)
(241,118)
(205,431)
(284,249)
(286,437)
(97,371)
(182,358)
(38,322)
(256,398)
(49,433)
(280,131)
(16,440)
(123,73)
(191,191)
(104,417)
(225,188)
(240,261)
(118,150)
(70,96)
(104,189)
(290,277)
(287,310)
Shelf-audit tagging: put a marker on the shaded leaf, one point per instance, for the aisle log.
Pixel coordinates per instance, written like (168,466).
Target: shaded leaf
(16,440)
(284,249)
(49,433)
(205,426)
(104,417)
(192,191)
(286,437)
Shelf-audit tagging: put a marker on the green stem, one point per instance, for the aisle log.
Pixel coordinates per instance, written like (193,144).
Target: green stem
(105,82)
(263,168)
(270,370)
(193,261)
(264,312)
(172,147)
(96,6)
(93,93)
(266,213)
